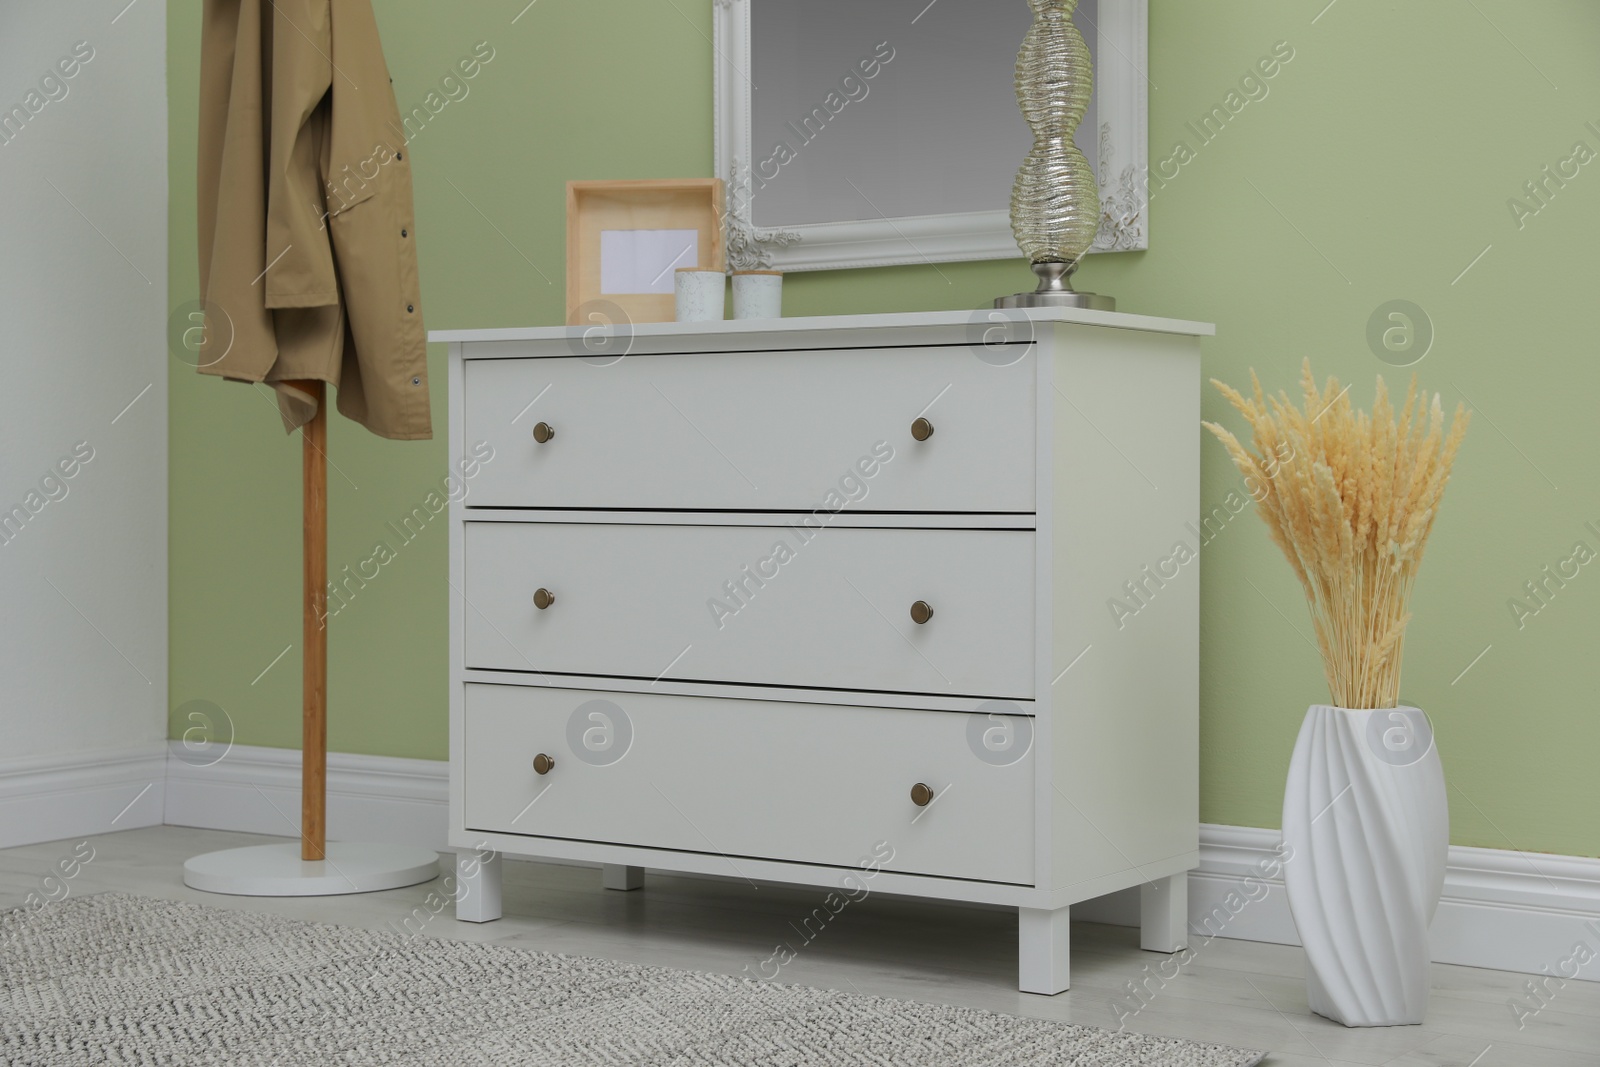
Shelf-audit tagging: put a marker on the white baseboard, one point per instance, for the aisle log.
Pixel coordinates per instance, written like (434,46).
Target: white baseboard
(51,798)
(1511,911)
(257,790)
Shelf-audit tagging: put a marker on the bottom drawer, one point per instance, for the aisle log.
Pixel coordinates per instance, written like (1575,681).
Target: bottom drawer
(813,783)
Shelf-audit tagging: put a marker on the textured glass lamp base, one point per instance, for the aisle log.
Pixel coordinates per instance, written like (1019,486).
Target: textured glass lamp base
(1056,291)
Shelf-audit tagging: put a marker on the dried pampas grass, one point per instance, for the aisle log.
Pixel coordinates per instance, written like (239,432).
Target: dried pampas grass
(1350,499)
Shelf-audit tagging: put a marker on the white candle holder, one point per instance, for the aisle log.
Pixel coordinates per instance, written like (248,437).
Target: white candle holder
(758,294)
(699,294)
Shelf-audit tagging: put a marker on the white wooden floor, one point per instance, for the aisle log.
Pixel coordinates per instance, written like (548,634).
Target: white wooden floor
(1236,992)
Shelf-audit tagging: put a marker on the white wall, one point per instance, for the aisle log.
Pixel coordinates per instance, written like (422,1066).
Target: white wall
(83,310)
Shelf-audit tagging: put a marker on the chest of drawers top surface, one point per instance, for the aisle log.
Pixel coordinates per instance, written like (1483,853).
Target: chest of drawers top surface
(980,327)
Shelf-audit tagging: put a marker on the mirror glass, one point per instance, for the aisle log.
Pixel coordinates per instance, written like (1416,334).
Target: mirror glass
(889,108)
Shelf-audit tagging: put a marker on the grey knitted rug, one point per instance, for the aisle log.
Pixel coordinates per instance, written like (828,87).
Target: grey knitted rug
(128,980)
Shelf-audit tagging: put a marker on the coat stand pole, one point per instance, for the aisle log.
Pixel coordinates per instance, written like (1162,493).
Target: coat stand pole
(314,635)
(312,867)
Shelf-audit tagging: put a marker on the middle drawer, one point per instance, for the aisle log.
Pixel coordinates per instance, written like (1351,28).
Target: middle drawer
(774,605)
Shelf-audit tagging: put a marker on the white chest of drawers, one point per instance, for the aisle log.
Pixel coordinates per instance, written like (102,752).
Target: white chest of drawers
(899,603)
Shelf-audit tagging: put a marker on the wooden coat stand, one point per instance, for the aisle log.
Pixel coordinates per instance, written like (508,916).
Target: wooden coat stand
(312,867)
(314,633)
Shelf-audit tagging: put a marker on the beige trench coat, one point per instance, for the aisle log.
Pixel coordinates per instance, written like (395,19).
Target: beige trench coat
(308,264)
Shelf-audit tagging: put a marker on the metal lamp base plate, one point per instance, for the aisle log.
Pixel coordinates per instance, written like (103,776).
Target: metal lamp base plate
(1068,299)
(1056,291)
(278,870)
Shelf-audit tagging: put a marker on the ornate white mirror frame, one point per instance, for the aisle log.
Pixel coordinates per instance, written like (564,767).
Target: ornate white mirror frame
(1120,109)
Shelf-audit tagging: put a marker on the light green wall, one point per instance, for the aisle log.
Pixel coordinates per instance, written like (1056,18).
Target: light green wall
(1377,167)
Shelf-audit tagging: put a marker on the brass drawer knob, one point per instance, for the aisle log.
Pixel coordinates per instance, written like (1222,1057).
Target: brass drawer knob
(921,795)
(543,431)
(543,598)
(922,429)
(921,612)
(543,764)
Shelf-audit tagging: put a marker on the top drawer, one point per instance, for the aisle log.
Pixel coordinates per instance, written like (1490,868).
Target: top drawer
(762,431)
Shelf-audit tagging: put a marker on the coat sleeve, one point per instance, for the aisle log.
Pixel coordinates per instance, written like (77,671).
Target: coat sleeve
(299,268)
(384,380)
(265,118)
(237,338)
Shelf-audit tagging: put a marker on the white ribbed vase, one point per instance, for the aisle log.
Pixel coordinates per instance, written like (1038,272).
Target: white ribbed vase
(1366,821)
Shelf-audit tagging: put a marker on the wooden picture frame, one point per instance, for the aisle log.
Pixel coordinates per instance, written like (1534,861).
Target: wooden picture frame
(617,229)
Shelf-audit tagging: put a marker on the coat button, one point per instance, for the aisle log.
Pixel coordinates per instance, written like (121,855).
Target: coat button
(402,233)
(410,308)
(416,381)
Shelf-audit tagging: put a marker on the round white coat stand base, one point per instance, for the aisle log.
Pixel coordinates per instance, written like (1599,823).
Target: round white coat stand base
(278,870)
